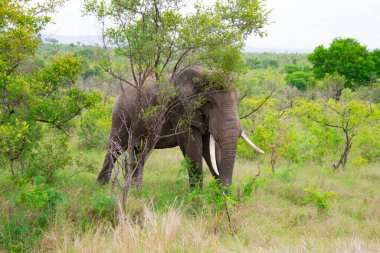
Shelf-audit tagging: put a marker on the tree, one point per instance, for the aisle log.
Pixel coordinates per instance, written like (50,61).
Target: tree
(348,58)
(345,117)
(160,36)
(375,57)
(253,63)
(271,129)
(32,97)
(301,80)
(289,69)
(51,40)
(331,86)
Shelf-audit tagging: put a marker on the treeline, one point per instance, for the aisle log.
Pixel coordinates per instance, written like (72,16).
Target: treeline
(305,110)
(344,64)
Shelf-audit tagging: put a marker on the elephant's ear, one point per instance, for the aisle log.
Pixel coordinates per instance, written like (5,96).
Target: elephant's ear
(185,89)
(189,86)
(199,121)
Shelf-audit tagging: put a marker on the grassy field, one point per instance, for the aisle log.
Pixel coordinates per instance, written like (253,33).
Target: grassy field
(161,218)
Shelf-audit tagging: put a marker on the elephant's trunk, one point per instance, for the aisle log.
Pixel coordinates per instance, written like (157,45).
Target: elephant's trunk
(228,135)
(227,154)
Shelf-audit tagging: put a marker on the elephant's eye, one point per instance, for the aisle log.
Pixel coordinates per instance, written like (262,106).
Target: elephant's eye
(210,101)
(206,108)
(208,104)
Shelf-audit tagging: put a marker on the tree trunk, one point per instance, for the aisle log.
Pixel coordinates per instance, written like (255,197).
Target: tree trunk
(273,160)
(343,157)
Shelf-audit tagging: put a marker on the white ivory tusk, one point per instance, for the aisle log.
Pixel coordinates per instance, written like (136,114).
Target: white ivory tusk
(212,155)
(249,143)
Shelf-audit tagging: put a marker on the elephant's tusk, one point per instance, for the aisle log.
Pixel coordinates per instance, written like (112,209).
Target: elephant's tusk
(249,143)
(212,155)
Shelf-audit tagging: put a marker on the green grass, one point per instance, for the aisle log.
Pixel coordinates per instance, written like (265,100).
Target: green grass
(159,217)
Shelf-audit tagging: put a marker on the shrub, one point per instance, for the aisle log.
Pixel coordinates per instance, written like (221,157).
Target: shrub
(359,161)
(37,196)
(48,158)
(12,234)
(286,175)
(219,199)
(105,207)
(319,198)
(331,86)
(301,80)
(34,206)
(248,187)
(370,93)
(94,126)
(289,69)
(368,146)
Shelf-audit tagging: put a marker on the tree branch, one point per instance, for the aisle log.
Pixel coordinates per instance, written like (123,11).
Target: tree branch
(262,103)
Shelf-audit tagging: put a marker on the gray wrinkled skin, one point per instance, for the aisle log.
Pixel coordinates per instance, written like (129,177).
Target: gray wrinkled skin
(217,116)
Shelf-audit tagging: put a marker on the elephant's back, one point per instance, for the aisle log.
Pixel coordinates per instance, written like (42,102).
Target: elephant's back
(126,98)
(128,103)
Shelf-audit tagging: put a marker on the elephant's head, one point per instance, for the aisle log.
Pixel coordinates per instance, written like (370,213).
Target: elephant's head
(218,114)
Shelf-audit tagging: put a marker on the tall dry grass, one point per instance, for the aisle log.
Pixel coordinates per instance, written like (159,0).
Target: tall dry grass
(273,220)
(152,232)
(174,232)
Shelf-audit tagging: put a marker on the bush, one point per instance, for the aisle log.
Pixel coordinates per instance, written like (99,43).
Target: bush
(331,86)
(292,68)
(94,126)
(218,199)
(34,207)
(37,196)
(48,158)
(301,80)
(13,233)
(319,198)
(214,196)
(370,93)
(105,207)
(368,146)
(286,175)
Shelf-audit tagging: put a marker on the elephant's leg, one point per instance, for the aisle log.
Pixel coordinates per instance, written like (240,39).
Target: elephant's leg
(137,170)
(138,175)
(191,145)
(109,161)
(116,145)
(206,154)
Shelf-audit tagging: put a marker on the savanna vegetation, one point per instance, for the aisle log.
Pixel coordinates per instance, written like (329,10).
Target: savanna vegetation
(316,116)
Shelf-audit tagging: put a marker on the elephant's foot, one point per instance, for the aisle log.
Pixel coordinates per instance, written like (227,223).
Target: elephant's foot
(196,183)
(103,178)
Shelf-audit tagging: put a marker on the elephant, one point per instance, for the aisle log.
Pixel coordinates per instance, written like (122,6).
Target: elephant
(212,133)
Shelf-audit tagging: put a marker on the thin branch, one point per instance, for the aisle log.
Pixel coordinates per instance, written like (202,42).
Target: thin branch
(182,56)
(109,70)
(167,60)
(262,103)
(227,211)
(244,96)
(323,123)
(133,70)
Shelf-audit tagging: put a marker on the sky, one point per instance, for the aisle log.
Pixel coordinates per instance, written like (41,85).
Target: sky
(294,24)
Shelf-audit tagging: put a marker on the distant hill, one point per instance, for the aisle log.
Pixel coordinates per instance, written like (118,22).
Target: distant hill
(250,49)
(84,39)
(94,39)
